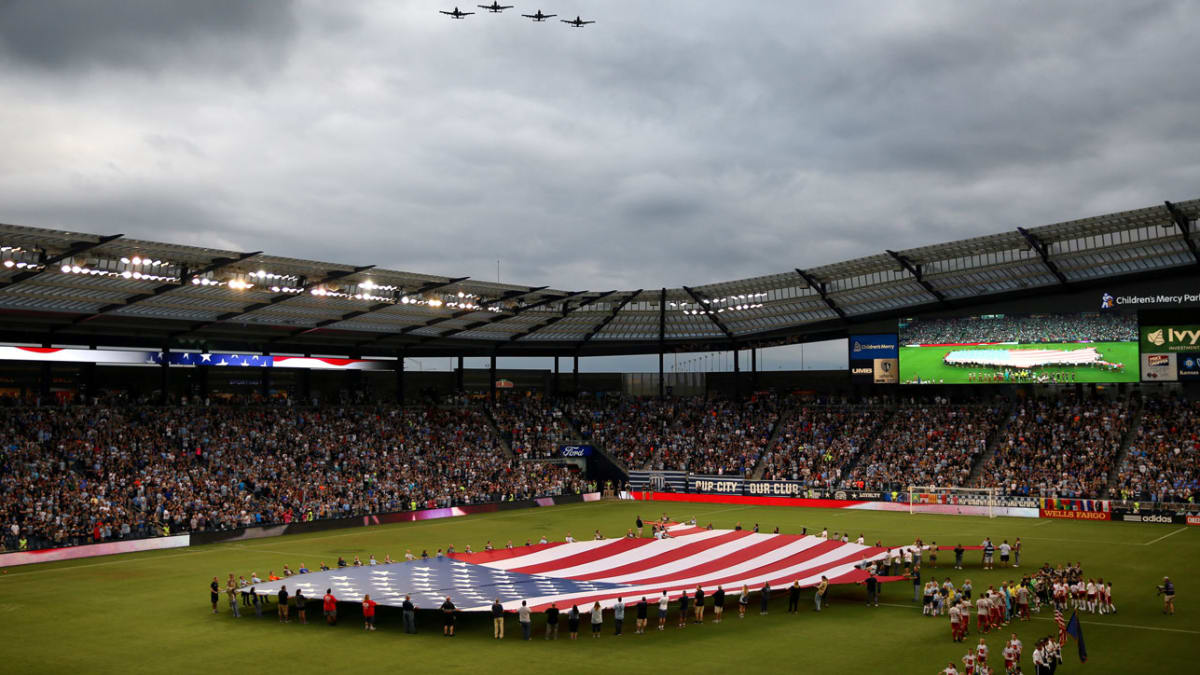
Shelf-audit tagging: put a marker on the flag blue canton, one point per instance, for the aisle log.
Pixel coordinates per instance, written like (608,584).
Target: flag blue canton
(218,359)
(472,587)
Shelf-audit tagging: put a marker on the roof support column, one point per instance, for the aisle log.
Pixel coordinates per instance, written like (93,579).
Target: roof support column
(1044,254)
(400,378)
(575,373)
(754,367)
(492,378)
(458,376)
(164,370)
(662,340)
(264,385)
(737,373)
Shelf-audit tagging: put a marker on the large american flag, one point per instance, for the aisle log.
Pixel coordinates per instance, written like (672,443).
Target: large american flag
(581,573)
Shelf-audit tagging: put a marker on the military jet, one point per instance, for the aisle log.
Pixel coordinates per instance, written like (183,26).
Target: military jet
(577,22)
(539,16)
(495,7)
(456,14)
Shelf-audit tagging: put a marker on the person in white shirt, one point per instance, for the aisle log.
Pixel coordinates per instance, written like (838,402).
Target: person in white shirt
(955,622)
(1091,596)
(860,540)
(543,540)
(950,669)
(408,555)
(664,604)
(372,561)
(825,533)
(569,539)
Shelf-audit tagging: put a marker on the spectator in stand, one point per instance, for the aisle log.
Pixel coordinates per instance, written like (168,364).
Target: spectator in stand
(1163,463)
(84,475)
(925,445)
(1058,448)
(705,436)
(816,443)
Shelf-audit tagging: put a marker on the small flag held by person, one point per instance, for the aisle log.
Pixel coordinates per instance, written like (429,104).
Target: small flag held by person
(1075,630)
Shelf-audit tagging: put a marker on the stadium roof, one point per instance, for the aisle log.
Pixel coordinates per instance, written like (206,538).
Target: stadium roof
(70,288)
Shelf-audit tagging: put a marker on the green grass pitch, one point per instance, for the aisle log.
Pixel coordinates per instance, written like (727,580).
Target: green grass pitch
(149,612)
(926,362)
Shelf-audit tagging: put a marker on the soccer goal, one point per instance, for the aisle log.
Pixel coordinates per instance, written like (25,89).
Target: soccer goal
(954,500)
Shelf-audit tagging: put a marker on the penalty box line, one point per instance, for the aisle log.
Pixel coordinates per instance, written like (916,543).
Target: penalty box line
(1086,623)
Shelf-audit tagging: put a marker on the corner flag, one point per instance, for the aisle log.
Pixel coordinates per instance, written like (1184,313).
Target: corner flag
(1075,630)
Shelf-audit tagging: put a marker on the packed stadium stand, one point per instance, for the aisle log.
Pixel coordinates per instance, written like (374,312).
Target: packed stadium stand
(1163,463)
(1024,329)
(84,474)
(533,428)
(1062,447)
(816,443)
(926,444)
(715,437)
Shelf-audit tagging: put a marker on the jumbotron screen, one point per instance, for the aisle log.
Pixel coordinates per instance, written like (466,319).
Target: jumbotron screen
(1020,348)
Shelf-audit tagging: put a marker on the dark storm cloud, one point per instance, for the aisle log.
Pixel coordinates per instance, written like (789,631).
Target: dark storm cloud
(64,35)
(671,143)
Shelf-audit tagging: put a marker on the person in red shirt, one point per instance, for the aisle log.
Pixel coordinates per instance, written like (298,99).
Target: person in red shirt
(330,607)
(368,613)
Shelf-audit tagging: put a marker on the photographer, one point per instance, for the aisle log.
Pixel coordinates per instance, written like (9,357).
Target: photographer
(1167,590)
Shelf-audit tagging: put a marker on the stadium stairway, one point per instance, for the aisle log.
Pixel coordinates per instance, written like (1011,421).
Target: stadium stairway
(1135,423)
(784,417)
(504,440)
(869,442)
(596,447)
(993,443)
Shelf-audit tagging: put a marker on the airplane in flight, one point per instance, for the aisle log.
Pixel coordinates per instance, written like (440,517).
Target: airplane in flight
(539,16)
(577,22)
(495,7)
(455,14)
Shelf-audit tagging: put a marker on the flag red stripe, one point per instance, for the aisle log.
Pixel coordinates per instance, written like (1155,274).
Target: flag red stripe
(744,555)
(612,548)
(661,559)
(673,593)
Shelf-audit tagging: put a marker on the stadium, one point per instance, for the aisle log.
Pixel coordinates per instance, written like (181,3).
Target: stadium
(1003,472)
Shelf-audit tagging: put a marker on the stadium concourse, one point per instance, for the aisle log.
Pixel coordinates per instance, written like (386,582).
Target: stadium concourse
(88,474)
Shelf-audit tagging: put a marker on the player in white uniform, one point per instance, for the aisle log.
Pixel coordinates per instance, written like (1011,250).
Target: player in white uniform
(981,653)
(950,669)
(969,663)
(955,622)
(1091,596)
(1108,598)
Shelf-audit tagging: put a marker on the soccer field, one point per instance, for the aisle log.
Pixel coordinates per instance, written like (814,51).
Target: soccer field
(926,363)
(149,612)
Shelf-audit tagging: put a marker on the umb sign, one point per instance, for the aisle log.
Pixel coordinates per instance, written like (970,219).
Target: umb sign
(873,359)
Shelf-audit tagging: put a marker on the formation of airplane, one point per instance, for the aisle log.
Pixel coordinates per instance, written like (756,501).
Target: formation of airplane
(456,14)
(497,8)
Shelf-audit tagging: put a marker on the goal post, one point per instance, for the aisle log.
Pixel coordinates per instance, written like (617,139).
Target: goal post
(934,499)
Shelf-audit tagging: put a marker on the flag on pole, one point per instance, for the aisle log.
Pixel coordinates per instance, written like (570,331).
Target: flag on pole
(1062,625)
(1075,630)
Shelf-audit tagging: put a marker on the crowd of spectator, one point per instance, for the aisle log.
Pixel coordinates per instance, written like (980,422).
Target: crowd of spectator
(925,444)
(532,427)
(816,443)
(1063,447)
(1022,328)
(1163,464)
(697,434)
(90,474)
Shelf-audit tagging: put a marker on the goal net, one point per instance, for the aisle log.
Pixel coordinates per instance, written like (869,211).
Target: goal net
(953,500)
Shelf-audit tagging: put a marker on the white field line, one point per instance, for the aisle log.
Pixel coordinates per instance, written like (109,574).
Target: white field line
(1154,541)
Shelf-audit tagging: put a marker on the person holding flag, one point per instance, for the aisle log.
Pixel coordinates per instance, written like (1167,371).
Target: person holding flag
(1075,630)
(329,606)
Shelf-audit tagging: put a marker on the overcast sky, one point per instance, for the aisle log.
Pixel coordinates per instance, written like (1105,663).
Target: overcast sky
(672,142)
